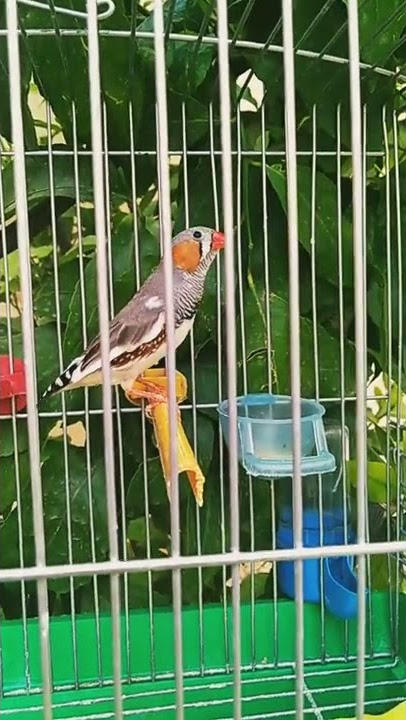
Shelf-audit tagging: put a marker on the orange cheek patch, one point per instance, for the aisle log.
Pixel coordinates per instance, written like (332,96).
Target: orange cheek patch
(186,255)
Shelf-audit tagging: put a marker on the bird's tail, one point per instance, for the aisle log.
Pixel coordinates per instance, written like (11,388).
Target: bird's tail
(64,379)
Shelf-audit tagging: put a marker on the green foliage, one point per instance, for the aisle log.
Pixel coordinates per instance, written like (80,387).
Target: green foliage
(64,278)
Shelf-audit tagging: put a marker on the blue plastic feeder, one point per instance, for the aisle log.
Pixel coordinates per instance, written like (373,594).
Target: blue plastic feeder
(264,425)
(265,434)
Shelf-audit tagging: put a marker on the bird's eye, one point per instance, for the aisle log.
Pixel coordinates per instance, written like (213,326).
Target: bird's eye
(197,235)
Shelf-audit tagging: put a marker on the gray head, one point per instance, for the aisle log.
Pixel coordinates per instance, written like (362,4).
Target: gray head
(194,249)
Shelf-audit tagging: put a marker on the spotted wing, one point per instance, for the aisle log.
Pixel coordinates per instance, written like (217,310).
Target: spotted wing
(131,335)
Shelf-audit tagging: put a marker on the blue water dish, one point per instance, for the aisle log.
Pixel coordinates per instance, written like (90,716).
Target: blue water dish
(338,582)
(265,435)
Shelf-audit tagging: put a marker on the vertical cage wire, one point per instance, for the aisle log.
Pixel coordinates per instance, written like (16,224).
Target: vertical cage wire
(63,399)
(23,235)
(365,281)
(166,234)
(119,435)
(294,335)
(226,164)
(137,262)
(17,475)
(95,581)
(219,390)
(103,308)
(360,348)
(400,299)
(388,243)
(341,316)
(313,242)
(193,393)
(266,239)
(239,173)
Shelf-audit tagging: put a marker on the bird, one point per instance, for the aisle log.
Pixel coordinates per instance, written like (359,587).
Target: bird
(137,334)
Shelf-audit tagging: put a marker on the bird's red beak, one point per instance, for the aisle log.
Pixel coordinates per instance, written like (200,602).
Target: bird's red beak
(217,240)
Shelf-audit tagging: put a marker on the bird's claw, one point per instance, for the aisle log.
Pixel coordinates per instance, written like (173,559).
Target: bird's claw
(152,393)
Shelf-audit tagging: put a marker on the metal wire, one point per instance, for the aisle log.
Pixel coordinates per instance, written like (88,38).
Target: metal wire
(225,118)
(194,408)
(389,356)
(294,334)
(137,263)
(360,341)
(86,392)
(194,561)
(27,672)
(166,234)
(103,15)
(103,307)
(63,399)
(28,343)
(220,395)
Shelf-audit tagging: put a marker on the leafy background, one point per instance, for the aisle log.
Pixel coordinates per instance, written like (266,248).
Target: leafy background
(55,102)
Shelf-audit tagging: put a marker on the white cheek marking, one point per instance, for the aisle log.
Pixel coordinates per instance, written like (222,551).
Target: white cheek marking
(206,247)
(153,303)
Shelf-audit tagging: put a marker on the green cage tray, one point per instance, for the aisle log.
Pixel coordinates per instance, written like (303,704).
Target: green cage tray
(268,677)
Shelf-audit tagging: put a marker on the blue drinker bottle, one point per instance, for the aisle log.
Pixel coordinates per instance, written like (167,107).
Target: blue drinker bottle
(325,522)
(265,450)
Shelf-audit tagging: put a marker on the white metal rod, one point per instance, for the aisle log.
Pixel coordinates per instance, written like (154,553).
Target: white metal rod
(207,40)
(17,473)
(220,359)
(360,343)
(173,152)
(62,397)
(143,418)
(103,307)
(193,394)
(226,165)
(85,413)
(166,238)
(194,561)
(388,313)
(294,331)
(23,239)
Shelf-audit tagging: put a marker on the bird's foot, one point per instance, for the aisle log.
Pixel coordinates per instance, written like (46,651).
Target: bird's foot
(153,394)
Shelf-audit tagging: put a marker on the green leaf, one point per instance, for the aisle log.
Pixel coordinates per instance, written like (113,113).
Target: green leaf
(25,76)
(38,187)
(137,533)
(7,438)
(46,353)
(328,354)
(55,507)
(380,32)
(11,470)
(376,478)
(46,297)
(156,490)
(186,71)
(326,221)
(206,376)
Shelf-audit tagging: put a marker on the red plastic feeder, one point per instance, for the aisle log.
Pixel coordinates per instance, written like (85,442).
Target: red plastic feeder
(12,385)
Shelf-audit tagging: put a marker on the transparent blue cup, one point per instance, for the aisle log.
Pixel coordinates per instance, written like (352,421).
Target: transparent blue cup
(265,435)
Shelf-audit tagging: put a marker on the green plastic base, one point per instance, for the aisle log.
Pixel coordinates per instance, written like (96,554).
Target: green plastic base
(268,684)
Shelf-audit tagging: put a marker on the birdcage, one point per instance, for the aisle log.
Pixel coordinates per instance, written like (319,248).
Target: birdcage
(121,123)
